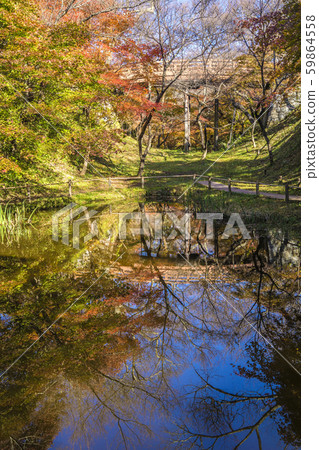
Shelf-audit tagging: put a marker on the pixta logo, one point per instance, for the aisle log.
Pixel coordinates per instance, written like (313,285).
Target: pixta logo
(67,222)
(152,224)
(68,216)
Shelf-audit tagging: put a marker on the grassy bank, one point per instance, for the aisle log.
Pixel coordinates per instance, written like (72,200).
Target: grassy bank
(241,162)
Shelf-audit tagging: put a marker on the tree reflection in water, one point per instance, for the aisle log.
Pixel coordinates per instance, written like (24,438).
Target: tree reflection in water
(141,360)
(218,415)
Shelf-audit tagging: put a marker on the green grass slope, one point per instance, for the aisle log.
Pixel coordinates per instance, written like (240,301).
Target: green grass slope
(240,162)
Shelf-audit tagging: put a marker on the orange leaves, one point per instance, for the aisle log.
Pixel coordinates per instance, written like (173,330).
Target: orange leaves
(85,77)
(7,165)
(137,61)
(112,25)
(139,53)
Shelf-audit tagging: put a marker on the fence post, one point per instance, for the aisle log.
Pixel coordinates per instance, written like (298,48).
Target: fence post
(29,194)
(142,182)
(110,183)
(194,177)
(257,188)
(229,185)
(287,192)
(70,188)
(209,182)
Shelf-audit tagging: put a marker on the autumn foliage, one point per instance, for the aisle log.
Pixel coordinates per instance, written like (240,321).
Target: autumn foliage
(65,84)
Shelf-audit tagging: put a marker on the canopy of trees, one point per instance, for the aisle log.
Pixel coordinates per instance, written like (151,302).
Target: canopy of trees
(77,76)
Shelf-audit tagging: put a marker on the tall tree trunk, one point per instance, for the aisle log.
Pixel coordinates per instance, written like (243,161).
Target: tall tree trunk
(216,125)
(253,135)
(141,132)
(161,138)
(187,123)
(145,153)
(162,134)
(232,129)
(160,143)
(85,163)
(265,135)
(203,136)
(262,119)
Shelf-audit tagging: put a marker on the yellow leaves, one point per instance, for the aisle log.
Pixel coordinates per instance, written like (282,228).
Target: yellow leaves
(7,165)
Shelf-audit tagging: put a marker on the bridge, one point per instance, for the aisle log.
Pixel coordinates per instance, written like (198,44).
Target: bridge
(172,274)
(192,72)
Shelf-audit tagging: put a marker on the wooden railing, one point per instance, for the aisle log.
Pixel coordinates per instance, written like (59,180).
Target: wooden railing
(27,192)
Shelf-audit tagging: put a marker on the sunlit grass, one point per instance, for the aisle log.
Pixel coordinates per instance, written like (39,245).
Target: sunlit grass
(14,221)
(240,163)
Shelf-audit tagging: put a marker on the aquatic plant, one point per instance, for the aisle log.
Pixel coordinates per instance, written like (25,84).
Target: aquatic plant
(14,221)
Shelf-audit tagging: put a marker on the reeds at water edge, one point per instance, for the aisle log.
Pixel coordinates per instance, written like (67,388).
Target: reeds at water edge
(14,221)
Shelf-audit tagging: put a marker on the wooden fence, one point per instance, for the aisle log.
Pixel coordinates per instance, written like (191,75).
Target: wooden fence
(28,192)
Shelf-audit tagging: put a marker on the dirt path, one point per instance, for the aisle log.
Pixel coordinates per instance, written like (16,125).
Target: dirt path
(235,190)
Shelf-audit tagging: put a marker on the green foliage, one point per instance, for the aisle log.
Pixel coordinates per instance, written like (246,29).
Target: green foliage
(13,223)
(54,103)
(291,36)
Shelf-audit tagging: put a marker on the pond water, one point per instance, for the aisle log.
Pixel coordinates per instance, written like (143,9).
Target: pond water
(150,342)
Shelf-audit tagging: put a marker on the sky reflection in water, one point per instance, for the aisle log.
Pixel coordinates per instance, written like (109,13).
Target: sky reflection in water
(147,359)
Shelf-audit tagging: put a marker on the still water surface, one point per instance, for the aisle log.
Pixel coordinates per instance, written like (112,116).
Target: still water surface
(180,344)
